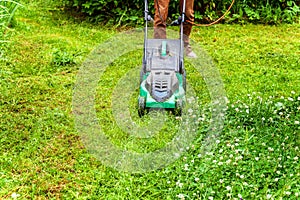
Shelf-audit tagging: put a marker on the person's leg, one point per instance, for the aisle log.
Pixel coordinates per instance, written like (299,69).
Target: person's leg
(160,18)
(187,27)
(189,17)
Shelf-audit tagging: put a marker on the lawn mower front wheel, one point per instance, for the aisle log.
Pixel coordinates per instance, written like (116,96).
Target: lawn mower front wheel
(178,107)
(141,106)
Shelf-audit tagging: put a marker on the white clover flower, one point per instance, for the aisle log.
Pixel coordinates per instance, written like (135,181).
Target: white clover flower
(228,161)
(217,141)
(240,196)
(242,176)
(179,184)
(178,118)
(271,119)
(298,98)
(247,111)
(297,122)
(210,198)
(221,150)
(221,181)
(269,196)
(270,149)
(288,193)
(263,119)
(245,184)
(220,163)
(296,158)
(296,194)
(186,167)
(214,161)
(197,179)
(228,187)
(14,195)
(256,158)
(290,99)
(230,156)
(276,179)
(180,196)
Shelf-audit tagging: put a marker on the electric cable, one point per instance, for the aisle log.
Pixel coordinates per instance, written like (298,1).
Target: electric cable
(193,23)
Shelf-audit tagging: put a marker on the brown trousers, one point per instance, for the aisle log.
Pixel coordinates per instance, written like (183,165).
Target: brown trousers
(161,14)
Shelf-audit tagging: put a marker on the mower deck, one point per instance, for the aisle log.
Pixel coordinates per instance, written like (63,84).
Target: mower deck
(162,78)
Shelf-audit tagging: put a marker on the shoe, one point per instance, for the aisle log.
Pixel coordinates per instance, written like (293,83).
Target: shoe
(189,52)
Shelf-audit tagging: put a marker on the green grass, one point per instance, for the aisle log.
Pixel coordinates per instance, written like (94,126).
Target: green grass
(42,156)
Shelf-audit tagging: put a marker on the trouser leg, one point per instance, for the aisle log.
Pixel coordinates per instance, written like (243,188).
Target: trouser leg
(160,18)
(189,16)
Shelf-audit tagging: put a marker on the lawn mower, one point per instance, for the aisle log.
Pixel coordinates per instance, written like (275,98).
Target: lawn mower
(162,77)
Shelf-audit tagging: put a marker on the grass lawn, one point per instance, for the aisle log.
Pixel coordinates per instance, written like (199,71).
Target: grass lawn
(256,156)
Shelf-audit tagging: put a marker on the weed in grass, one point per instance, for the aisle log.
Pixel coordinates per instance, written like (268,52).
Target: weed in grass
(63,58)
(7,11)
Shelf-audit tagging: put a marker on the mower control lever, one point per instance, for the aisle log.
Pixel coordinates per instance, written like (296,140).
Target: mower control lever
(149,18)
(176,22)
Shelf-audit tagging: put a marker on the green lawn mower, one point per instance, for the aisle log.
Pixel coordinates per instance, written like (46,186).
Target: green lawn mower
(162,77)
